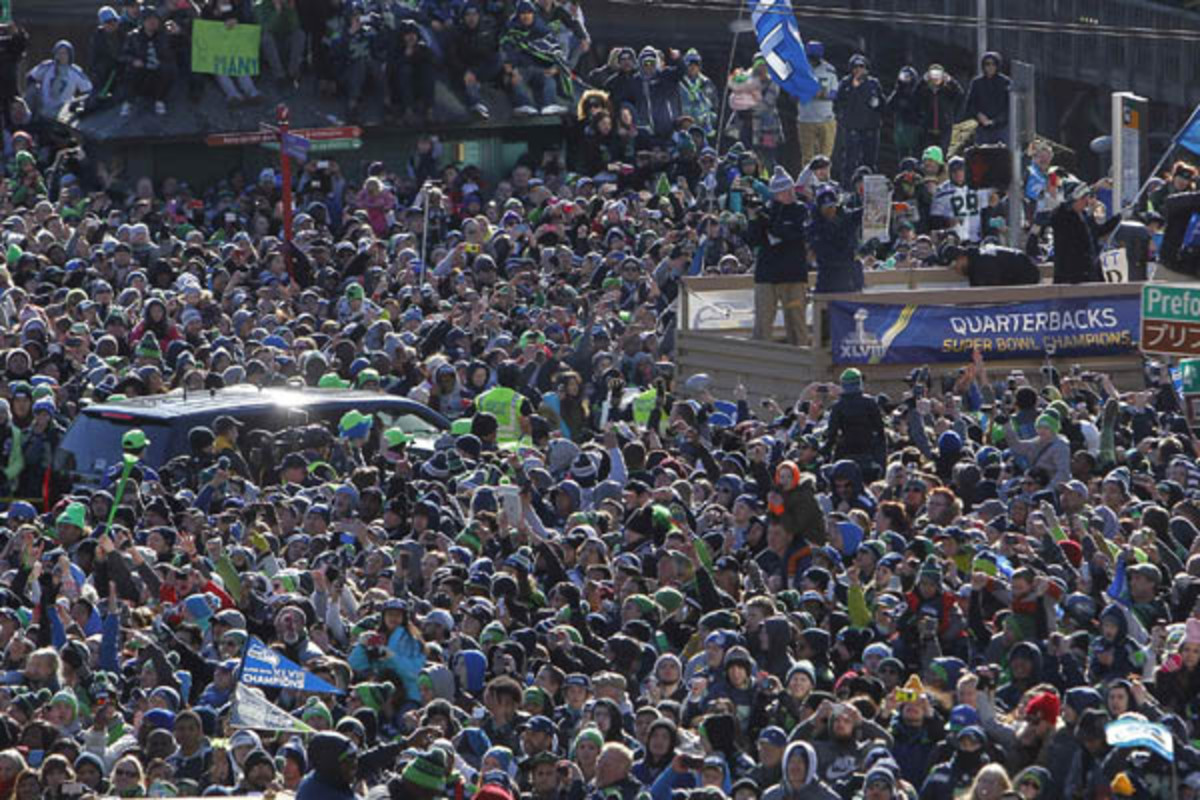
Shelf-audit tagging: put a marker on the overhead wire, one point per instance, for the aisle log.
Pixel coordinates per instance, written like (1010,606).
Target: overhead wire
(928,18)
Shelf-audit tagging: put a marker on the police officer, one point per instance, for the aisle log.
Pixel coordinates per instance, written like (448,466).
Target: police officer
(509,407)
(856,427)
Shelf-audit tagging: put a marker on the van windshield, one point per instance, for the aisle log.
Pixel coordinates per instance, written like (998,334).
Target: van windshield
(93,443)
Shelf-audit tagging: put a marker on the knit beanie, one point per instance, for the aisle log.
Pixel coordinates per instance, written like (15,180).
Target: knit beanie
(313,707)
(781,181)
(931,569)
(425,771)
(1048,421)
(67,698)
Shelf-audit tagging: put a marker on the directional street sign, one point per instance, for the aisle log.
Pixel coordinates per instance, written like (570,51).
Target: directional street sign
(323,145)
(295,146)
(1170,319)
(239,138)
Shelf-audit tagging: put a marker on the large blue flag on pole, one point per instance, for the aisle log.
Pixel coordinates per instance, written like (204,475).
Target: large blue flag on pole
(1189,137)
(781,46)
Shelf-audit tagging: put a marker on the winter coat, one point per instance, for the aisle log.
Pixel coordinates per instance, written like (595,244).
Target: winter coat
(139,45)
(856,428)
(405,658)
(1054,457)
(1077,244)
(801,512)
(988,96)
(834,242)
(859,107)
(473,48)
(324,780)
(104,53)
(781,238)
(13,43)
(654,98)
(1001,266)
(902,102)
(939,107)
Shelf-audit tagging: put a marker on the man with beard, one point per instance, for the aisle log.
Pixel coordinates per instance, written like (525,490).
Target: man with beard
(1028,742)
(841,738)
(291,628)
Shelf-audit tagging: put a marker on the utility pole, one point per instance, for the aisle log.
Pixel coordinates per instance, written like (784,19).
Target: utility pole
(1022,129)
(282,120)
(981,31)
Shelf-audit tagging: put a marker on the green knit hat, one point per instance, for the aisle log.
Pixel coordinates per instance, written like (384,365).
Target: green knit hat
(67,698)
(74,514)
(930,568)
(588,734)
(644,604)
(933,153)
(492,633)
(313,707)
(536,694)
(1048,421)
(331,380)
(669,599)
(426,771)
(148,347)
(469,540)
(374,695)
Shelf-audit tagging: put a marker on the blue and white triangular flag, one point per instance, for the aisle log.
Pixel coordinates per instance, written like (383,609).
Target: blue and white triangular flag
(262,666)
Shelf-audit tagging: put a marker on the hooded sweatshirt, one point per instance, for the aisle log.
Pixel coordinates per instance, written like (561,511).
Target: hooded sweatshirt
(58,83)
(324,780)
(988,96)
(813,787)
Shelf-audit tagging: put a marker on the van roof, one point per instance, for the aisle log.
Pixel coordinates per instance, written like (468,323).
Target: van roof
(246,399)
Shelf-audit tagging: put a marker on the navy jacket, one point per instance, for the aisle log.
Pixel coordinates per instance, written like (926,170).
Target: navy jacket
(988,96)
(833,242)
(781,239)
(860,107)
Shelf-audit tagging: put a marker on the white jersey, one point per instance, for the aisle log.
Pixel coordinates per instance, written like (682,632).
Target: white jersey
(961,204)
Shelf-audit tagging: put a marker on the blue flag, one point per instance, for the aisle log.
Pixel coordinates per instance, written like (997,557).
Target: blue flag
(780,44)
(1189,137)
(262,666)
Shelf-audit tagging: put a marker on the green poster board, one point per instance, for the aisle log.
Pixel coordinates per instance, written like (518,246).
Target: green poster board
(217,50)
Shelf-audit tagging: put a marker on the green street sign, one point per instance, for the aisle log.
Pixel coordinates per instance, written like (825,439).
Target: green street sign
(1170,319)
(323,145)
(1190,368)
(5,11)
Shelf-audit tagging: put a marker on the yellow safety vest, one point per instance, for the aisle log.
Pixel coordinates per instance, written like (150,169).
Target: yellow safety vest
(503,404)
(643,406)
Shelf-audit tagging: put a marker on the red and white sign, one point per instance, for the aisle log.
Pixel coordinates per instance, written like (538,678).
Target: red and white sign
(241,138)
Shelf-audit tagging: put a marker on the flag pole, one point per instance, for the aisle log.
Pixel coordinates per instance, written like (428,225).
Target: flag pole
(737,31)
(1167,155)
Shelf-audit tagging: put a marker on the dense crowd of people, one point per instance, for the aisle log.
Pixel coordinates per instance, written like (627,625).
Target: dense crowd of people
(603,581)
